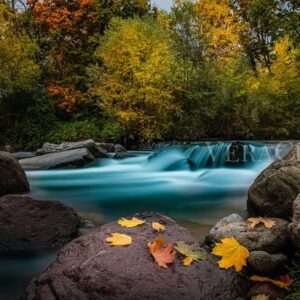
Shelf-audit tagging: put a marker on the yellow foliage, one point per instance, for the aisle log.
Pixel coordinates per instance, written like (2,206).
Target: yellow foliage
(260,297)
(187,261)
(191,252)
(233,254)
(278,283)
(134,222)
(119,239)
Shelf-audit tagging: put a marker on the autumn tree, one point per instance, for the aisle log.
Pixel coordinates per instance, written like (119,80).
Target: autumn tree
(136,82)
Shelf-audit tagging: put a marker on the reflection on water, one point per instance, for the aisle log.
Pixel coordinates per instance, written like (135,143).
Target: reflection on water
(195,185)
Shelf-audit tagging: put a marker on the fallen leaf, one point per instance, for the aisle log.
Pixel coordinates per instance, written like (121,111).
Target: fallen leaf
(158,227)
(278,283)
(286,279)
(119,239)
(232,252)
(192,252)
(266,222)
(162,256)
(260,297)
(187,261)
(130,223)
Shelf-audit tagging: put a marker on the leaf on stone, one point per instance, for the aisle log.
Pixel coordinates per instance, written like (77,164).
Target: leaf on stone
(130,223)
(233,254)
(260,297)
(119,239)
(162,256)
(268,223)
(191,252)
(187,261)
(279,282)
(158,227)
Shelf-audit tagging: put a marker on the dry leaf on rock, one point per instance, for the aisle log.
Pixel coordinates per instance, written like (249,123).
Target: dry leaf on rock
(260,297)
(119,239)
(268,223)
(233,254)
(130,223)
(158,227)
(192,252)
(162,256)
(279,283)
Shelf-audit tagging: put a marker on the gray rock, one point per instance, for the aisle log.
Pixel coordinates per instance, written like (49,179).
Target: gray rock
(294,227)
(258,238)
(274,190)
(264,263)
(23,155)
(89,268)
(88,144)
(109,147)
(120,152)
(12,177)
(28,224)
(67,159)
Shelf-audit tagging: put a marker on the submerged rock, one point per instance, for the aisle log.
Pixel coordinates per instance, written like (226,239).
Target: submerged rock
(274,190)
(264,263)
(89,268)
(28,224)
(258,238)
(97,151)
(120,152)
(12,177)
(67,159)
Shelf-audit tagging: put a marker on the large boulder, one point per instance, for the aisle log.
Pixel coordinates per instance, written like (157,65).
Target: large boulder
(67,159)
(258,238)
(89,268)
(274,190)
(28,224)
(97,151)
(12,177)
(294,227)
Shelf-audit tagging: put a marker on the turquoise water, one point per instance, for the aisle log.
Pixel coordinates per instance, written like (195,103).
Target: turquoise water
(193,184)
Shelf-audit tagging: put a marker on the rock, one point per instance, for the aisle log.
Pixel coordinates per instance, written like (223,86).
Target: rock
(264,263)
(120,152)
(23,155)
(258,238)
(268,289)
(67,159)
(109,147)
(28,224)
(274,190)
(89,268)
(236,153)
(294,227)
(9,149)
(88,144)
(12,177)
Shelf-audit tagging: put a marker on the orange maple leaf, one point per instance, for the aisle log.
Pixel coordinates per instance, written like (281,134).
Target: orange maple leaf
(162,256)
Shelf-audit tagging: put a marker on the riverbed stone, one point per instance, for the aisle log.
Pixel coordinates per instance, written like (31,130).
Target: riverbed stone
(120,152)
(89,268)
(267,289)
(12,177)
(28,224)
(67,159)
(258,238)
(274,190)
(97,151)
(264,263)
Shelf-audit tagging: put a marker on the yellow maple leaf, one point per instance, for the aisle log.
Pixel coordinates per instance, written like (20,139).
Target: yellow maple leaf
(268,223)
(187,261)
(130,223)
(158,227)
(260,297)
(119,239)
(232,252)
(281,284)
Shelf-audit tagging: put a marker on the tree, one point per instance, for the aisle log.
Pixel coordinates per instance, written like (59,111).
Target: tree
(136,82)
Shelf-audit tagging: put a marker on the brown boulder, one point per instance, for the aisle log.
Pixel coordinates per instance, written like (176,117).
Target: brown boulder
(28,224)
(89,268)
(12,177)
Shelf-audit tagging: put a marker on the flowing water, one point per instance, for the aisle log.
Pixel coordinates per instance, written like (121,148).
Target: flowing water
(195,185)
